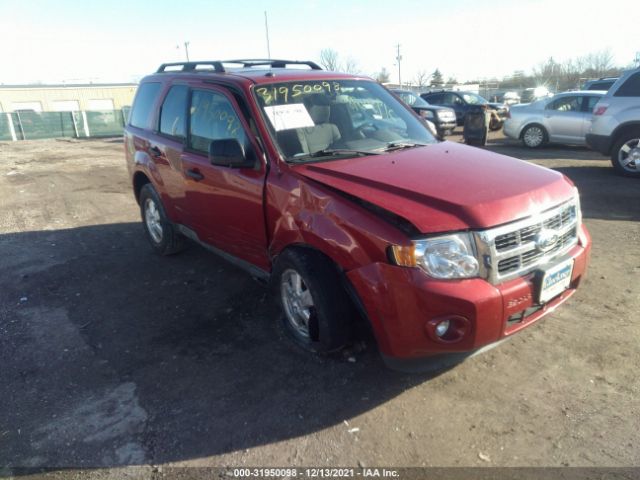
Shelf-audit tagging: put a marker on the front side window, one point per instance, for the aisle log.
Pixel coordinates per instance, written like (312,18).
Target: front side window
(143,103)
(566,104)
(173,112)
(311,118)
(212,117)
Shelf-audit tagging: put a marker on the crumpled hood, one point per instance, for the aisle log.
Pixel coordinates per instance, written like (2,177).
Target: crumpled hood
(446,186)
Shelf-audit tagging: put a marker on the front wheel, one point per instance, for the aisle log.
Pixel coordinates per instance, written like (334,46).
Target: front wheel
(316,310)
(625,156)
(534,136)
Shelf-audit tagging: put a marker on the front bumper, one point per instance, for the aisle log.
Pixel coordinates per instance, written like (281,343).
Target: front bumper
(599,143)
(445,125)
(401,301)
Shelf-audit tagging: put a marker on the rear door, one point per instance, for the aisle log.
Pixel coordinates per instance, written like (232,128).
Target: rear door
(166,147)
(564,119)
(225,204)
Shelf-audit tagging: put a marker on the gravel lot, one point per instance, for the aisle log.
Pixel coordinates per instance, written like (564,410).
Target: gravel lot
(111,356)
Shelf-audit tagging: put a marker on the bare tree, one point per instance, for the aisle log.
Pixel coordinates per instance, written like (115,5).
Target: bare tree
(329,59)
(350,66)
(599,64)
(422,78)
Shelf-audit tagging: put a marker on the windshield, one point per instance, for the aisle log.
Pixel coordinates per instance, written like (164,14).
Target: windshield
(320,119)
(473,99)
(412,99)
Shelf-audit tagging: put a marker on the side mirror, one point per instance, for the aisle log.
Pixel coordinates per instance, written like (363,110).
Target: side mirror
(228,152)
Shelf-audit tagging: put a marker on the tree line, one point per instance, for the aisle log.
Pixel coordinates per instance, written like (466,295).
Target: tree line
(555,75)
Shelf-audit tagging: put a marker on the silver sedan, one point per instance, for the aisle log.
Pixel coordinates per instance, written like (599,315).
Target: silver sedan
(563,118)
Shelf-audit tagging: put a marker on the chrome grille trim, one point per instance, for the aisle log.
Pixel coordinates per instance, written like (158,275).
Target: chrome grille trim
(510,251)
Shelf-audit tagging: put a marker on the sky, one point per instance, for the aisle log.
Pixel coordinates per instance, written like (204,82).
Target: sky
(74,41)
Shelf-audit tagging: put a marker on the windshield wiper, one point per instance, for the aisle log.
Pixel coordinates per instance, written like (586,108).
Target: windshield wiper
(402,145)
(330,152)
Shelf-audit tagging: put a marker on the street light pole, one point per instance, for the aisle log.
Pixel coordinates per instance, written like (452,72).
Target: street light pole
(266,28)
(186,50)
(399,59)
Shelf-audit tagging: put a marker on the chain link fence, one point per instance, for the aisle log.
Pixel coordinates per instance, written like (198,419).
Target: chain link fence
(29,125)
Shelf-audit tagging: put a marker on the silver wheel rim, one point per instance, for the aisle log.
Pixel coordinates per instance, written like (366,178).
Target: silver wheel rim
(297,301)
(152,219)
(629,155)
(533,136)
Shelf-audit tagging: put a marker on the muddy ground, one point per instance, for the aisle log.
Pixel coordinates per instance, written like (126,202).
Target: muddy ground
(111,356)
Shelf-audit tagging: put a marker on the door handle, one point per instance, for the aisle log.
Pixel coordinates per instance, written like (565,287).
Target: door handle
(195,174)
(155,151)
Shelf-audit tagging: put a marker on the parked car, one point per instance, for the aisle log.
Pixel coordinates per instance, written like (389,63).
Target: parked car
(510,98)
(602,84)
(615,125)
(462,102)
(440,247)
(563,118)
(443,118)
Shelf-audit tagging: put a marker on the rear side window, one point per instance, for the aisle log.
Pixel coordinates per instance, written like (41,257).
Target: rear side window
(435,99)
(145,98)
(630,88)
(590,103)
(173,112)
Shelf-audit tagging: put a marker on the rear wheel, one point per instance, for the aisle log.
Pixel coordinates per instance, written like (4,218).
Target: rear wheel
(162,234)
(534,136)
(625,156)
(316,310)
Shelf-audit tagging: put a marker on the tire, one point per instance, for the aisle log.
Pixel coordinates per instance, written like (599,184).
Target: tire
(534,136)
(319,298)
(161,233)
(625,155)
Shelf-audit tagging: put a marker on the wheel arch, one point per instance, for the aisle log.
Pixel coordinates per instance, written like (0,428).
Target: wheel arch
(531,124)
(623,129)
(140,179)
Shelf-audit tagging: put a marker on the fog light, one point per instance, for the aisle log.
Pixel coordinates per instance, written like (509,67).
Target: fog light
(448,329)
(442,328)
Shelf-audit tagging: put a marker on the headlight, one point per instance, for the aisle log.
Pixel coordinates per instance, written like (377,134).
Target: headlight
(426,114)
(446,257)
(576,197)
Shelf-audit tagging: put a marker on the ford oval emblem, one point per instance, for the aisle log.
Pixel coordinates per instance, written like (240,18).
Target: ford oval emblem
(546,239)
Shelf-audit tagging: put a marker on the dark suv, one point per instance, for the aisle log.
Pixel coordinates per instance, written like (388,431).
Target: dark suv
(332,190)
(462,102)
(443,118)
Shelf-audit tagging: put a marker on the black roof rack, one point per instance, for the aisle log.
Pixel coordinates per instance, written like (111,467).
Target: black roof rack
(218,65)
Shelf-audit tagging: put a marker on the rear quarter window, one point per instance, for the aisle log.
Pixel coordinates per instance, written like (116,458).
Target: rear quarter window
(630,88)
(143,103)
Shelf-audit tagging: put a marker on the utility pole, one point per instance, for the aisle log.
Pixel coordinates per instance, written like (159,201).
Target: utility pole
(399,59)
(186,50)
(637,59)
(266,28)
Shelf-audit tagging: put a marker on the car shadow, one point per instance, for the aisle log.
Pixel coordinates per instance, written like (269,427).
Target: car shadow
(112,355)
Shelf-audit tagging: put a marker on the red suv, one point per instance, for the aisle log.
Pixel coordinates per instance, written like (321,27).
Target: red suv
(335,191)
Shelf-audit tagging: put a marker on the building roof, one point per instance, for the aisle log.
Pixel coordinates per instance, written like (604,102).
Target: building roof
(68,85)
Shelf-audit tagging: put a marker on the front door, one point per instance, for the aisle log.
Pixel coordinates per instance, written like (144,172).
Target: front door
(225,204)
(565,119)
